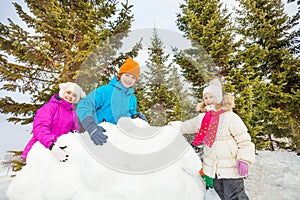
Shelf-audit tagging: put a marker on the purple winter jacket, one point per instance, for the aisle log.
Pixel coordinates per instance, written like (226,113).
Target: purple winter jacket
(55,118)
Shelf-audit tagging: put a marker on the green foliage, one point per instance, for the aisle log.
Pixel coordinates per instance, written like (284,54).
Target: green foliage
(14,161)
(156,94)
(265,59)
(194,64)
(160,91)
(183,105)
(208,27)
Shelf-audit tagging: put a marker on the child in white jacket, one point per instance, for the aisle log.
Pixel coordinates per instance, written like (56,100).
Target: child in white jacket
(227,146)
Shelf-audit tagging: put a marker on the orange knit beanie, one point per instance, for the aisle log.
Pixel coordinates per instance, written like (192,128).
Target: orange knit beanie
(131,67)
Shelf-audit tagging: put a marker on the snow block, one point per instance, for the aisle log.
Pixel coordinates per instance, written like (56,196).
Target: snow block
(137,162)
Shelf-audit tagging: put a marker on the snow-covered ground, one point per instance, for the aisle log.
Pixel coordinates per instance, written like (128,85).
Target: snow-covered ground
(4,182)
(274,175)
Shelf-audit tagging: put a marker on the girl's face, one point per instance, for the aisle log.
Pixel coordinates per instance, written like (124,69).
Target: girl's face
(127,80)
(69,96)
(209,99)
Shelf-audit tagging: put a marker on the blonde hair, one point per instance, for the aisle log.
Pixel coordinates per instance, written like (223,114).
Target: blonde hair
(227,104)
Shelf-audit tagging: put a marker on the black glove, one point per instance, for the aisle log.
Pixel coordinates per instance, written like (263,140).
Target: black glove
(139,115)
(95,131)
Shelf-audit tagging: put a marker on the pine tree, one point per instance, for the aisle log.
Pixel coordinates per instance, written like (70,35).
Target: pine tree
(161,94)
(182,100)
(156,94)
(270,67)
(208,27)
(239,83)
(58,37)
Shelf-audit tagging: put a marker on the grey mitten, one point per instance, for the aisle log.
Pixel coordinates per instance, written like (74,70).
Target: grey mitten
(95,131)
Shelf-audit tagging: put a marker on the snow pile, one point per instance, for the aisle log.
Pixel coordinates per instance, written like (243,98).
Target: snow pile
(274,175)
(137,162)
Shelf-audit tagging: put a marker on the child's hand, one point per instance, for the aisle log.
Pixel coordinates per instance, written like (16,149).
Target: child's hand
(242,168)
(95,131)
(59,151)
(208,180)
(97,135)
(175,124)
(139,115)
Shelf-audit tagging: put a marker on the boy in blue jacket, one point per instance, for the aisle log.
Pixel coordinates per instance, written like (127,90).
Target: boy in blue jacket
(110,102)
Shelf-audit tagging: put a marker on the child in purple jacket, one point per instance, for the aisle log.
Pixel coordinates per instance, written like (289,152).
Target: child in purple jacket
(55,118)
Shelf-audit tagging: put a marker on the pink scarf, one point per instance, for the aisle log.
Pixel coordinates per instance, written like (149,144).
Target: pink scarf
(208,129)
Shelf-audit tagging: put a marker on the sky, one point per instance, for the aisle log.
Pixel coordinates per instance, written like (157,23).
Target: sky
(160,14)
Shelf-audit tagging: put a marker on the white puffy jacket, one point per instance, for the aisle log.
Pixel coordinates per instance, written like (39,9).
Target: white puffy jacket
(232,143)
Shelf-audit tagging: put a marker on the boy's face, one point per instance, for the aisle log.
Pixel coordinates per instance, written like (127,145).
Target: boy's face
(209,99)
(69,96)
(127,80)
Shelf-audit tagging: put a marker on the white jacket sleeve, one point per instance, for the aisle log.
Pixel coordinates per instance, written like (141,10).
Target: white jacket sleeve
(192,125)
(246,149)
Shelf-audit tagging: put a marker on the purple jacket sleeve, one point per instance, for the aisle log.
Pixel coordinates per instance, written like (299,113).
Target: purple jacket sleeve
(42,124)
(76,126)
(28,147)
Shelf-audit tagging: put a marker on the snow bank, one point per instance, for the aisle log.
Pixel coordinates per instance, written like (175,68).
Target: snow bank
(137,162)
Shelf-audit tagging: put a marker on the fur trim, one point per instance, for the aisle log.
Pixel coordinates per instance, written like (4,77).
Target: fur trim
(227,104)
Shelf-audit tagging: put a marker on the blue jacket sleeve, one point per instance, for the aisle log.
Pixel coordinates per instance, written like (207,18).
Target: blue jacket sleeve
(87,106)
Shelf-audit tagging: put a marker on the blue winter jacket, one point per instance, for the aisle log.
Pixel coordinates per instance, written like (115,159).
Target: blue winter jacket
(108,103)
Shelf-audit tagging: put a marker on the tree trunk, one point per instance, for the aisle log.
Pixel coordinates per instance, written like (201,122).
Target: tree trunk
(271,142)
(298,145)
